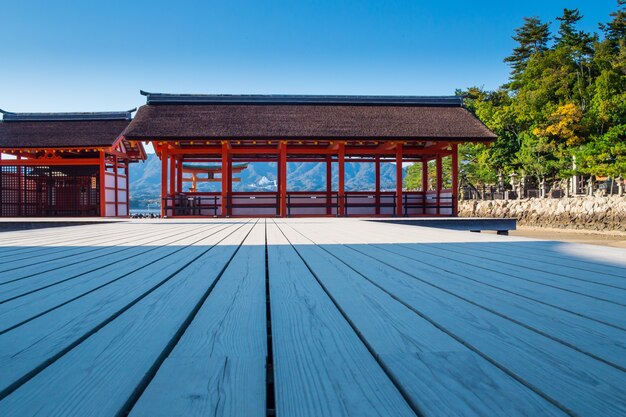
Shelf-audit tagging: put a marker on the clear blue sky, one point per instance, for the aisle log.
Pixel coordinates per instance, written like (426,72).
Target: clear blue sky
(93,56)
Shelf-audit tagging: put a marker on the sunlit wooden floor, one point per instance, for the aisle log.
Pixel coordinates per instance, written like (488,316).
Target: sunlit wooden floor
(307,317)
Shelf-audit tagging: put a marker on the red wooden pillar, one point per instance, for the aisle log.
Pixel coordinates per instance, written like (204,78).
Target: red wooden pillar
(116,179)
(282,179)
(179,175)
(329,185)
(163,179)
(127,173)
(20,186)
(342,171)
(377,186)
(102,185)
(455,179)
(399,202)
(225,178)
(172,189)
(424,183)
(439,182)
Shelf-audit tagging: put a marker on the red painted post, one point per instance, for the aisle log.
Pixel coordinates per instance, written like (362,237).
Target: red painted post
(342,172)
(126,171)
(282,179)
(399,202)
(377,164)
(455,179)
(20,188)
(329,185)
(439,182)
(424,183)
(172,189)
(163,179)
(179,173)
(225,177)
(102,185)
(115,177)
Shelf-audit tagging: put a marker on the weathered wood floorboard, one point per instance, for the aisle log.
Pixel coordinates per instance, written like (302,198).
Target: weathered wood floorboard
(368,319)
(441,376)
(11,280)
(31,346)
(608,313)
(321,367)
(101,375)
(553,256)
(60,236)
(531,267)
(80,281)
(594,338)
(218,366)
(579,383)
(47,254)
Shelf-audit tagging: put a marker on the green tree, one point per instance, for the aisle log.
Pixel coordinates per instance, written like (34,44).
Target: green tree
(532,38)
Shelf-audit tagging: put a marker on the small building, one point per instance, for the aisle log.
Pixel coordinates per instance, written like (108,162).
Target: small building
(334,130)
(65,164)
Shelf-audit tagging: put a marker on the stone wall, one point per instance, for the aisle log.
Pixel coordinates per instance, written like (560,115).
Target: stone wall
(591,213)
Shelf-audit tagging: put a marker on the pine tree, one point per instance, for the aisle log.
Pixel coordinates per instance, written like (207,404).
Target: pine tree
(615,30)
(569,36)
(532,37)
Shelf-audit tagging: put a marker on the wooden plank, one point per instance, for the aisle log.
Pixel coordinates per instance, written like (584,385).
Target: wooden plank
(32,346)
(578,383)
(80,261)
(593,308)
(21,241)
(101,376)
(218,366)
(546,278)
(18,310)
(549,253)
(46,254)
(591,337)
(321,367)
(441,376)
(74,241)
(512,261)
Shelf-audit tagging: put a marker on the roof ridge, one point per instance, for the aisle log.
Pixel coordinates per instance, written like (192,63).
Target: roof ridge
(303,99)
(67,116)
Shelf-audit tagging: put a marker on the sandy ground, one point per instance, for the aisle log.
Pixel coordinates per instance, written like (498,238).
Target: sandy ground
(613,239)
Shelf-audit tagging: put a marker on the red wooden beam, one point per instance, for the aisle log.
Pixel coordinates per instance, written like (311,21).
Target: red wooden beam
(342,172)
(377,186)
(439,182)
(126,171)
(399,202)
(163,179)
(455,179)
(282,179)
(102,185)
(50,162)
(225,177)
(115,188)
(329,184)
(172,189)
(179,172)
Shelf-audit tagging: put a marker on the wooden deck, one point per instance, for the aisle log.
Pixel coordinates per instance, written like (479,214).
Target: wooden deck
(307,317)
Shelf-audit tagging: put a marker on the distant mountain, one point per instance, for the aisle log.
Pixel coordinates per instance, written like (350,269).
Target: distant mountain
(145,178)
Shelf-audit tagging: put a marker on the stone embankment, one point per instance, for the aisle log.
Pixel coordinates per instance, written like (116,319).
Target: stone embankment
(590,213)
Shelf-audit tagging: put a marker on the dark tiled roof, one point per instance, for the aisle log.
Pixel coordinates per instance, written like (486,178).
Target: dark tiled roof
(311,121)
(61,130)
